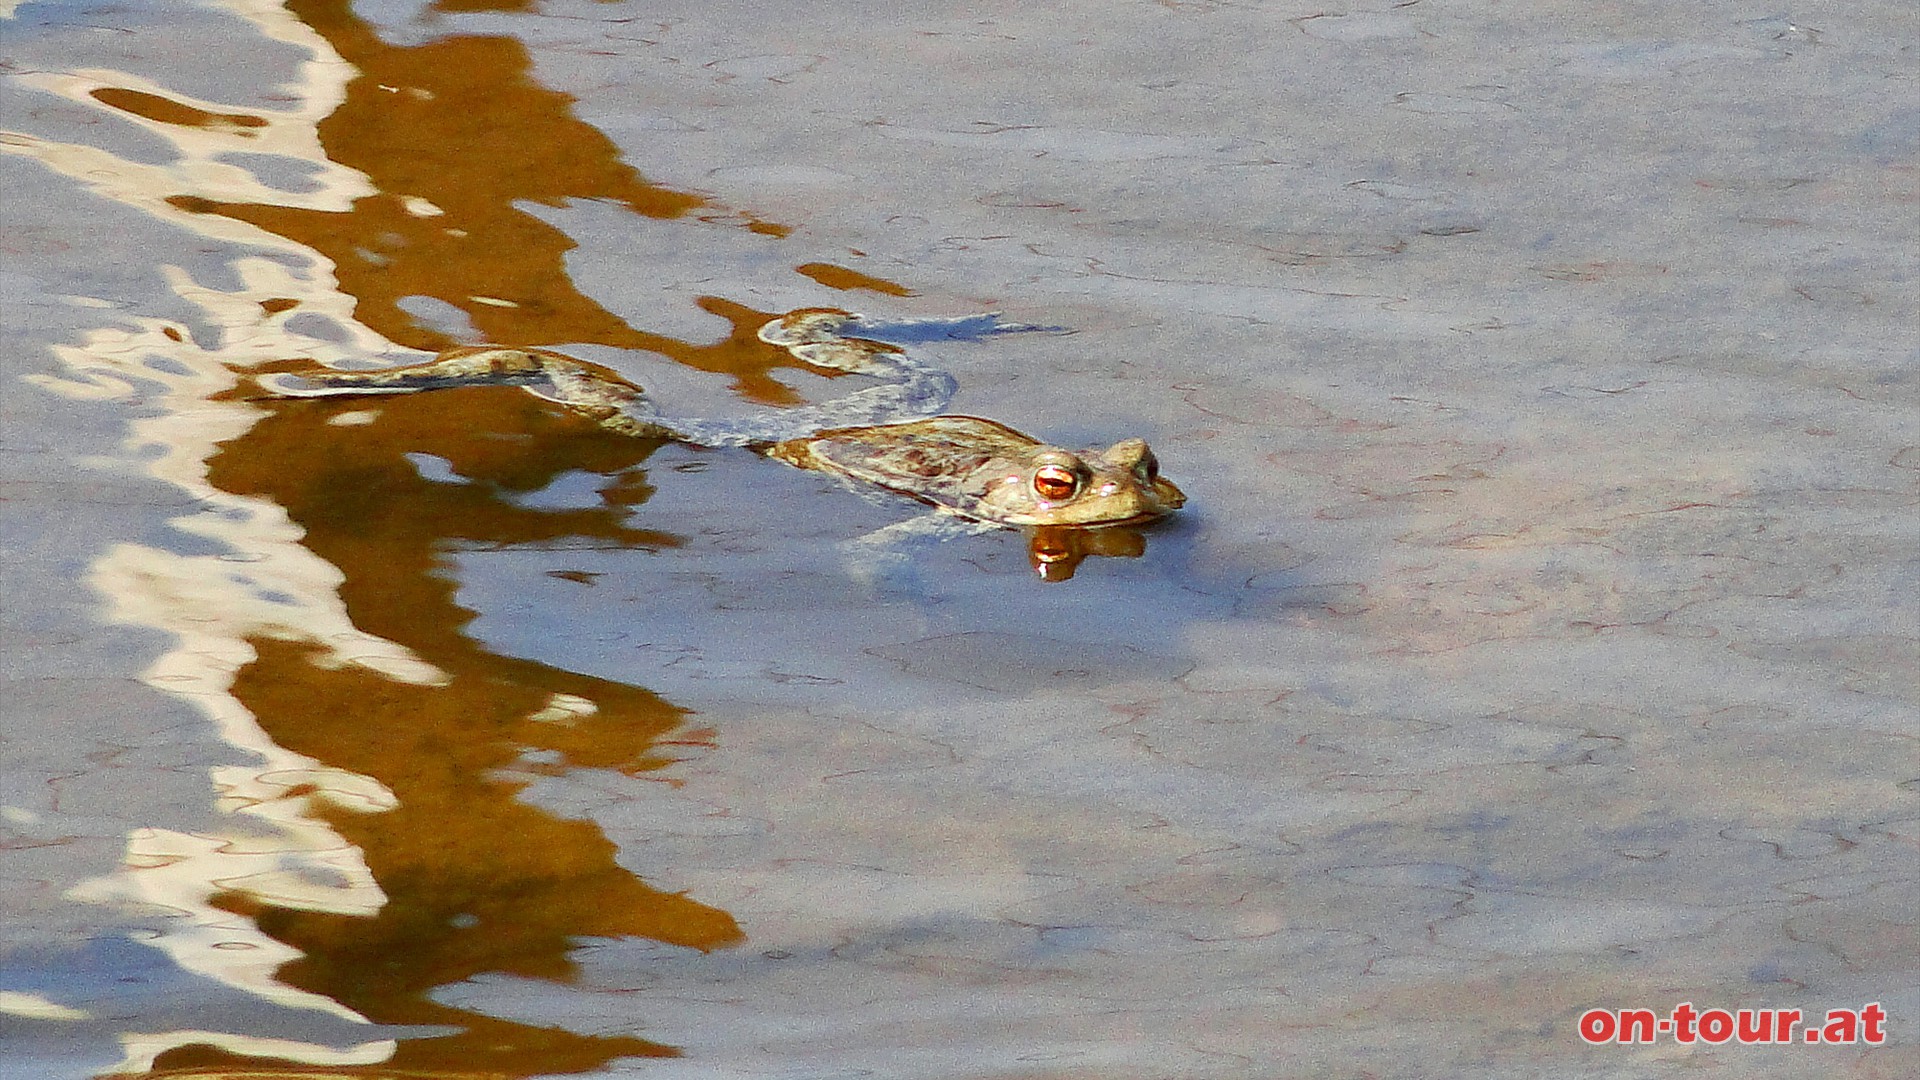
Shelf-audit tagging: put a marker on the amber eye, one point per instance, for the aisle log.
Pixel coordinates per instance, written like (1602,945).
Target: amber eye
(1055,483)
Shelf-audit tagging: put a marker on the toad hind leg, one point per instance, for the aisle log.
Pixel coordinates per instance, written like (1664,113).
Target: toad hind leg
(585,388)
(455,367)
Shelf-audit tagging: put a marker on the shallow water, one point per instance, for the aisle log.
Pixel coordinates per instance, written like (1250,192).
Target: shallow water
(1538,638)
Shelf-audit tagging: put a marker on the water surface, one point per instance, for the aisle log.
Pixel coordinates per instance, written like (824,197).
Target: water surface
(1538,637)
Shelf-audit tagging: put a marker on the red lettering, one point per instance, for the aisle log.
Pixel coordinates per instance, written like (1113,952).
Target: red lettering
(1683,1022)
(1636,1025)
(1597,1026)
(1873,1016)
(1752,1027)
(1716,1026)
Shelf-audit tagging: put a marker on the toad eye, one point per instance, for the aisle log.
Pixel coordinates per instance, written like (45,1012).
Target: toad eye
(1055,483)
(1148,470)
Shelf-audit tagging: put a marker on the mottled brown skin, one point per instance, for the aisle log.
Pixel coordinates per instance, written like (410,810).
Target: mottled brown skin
(963,465)
(989,472)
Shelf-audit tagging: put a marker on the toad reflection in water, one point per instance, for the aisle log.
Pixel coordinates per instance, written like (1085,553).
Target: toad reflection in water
(460,904)
(889,435)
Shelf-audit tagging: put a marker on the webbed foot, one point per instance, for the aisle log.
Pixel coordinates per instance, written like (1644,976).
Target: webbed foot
(815,326)
(880,559)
